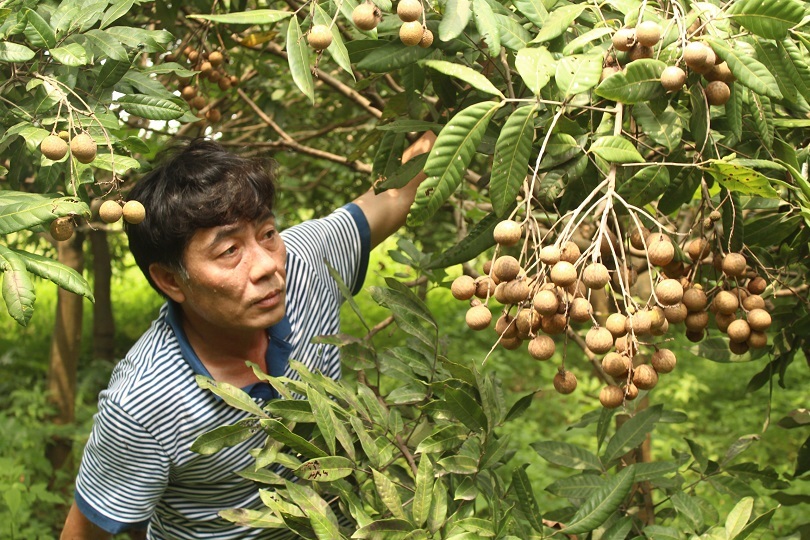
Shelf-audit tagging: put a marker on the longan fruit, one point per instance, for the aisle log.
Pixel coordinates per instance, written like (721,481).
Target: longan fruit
(506,267)
(580,310)
(720,72)
(648,33)
(478,317)
(698,249)
(757,285)
(53,147)
(624,39)
(739,330)
(527,322)
(722,320)
(645,377)
(673,78)
(546,302)
(753,301)
(550,255)
(737,347)
(505,326)
(409,10)
(630,391)
(697,321)
(639,322)
(695,299)
(759,319)
(565,382)
(676,314)
(660,250)
(213,115)
(726,302)
(198,102)
(410,33)
(616,365)
(570,252)
(216,58)
(188,93)
(507,232)
(366,16)
(595,276)
(83,148)
(319,37)
(599,340)
(206,68)
(669,292)
(663,360)
(133,212)
(516,291)
(638,236)
(563,273)
(695,336)
(553,324)
(427,39)
(61,228)
(541,347)
(638,52)
(110,211)
(627,345)
(757,339)
(695,54)
(64,135)
(734,264)
(611,396)
(463,287)
(510,344)
(484,287)
(616,324)
(717,93)
(224,83)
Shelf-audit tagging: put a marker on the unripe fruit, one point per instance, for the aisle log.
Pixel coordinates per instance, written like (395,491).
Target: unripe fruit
(61,228)
(645,377)
(734,265)
(757,285)
(319,37)
(676,314)
(565,382)
(507,233)
(506,268)
(715,215)
(759,320)
(726,303)
(110,211)
(663,361)
(550,255)
(648,33)
(599,340)
(753,301)
(570,252)
(698,249)
(695,299)
(505,326)
(541,347)
(478,317)
(611,396)
(83,148)
(660,250)
(673,78)
(624,39)
(409,10)
(133,212)
(216,58)
(580,310)
(366,16)
(53,147)
(563,274)
(595,276)
(717,93)
(463,288)
(546,302)
(427,39)
(616,365)
(410,33)
(616,324)
(697,321)
(669,292)
(738,331)
(64,135)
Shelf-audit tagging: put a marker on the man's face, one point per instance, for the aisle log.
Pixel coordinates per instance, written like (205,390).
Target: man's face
(236,276)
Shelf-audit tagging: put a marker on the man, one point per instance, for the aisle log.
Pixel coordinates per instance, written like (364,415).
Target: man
(237,290)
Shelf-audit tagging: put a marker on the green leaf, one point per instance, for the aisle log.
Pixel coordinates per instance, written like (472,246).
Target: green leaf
(640,81)
(321,517)
(466,74)
(44,33)
(118,162)
(511,162)
(324,416)
(699,117)
(743,180)
(632,433)
(665,127)
(762,115)
(579,43)
(615,149)
(410,312)
(795,66)
(384,529)
(534,10)
(760,521)
(403,174)
(525,498)
(558,21)
(619,529)
(520,406)
(567,455)
(771,19)
(452,152)
(392,56)
(535,66)
(222,437)
(602,503)
(106,45)
(748,70)
(484,19)
(291,410)
(688,508)
(445,438)
(578,73)
(337,49)
(738,517)
(513,35)
(647,185)
(298,59)
(346,293)
(465,408)
(325,469)
(115,12)
(455,18)
(260,519)
(232,395)
(407,125)
(282,434)
(478,239)
(387,491)
(420,507)
(70,55)
(734,111)
(64,276)
(254,16)
(27,210)
(438,506)
(18,290)
(366,442)
(576,487)
(14,52)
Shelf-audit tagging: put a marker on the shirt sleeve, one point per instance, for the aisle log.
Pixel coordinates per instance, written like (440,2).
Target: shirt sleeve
(123,473)
(343,239)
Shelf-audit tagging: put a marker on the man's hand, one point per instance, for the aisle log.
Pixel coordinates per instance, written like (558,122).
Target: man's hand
(386,212)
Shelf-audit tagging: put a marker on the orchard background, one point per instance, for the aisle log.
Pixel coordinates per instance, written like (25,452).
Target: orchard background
(550,114)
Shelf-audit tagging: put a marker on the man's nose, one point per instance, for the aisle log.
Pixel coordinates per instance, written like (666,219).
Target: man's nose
(263,262)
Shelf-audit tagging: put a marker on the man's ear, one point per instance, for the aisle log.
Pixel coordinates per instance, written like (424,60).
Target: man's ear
(167,281)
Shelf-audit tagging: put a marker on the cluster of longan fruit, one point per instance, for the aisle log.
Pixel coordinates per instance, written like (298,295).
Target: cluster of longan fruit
(699,57)
(211,67)
(82,147)
(558,295)
(133,212)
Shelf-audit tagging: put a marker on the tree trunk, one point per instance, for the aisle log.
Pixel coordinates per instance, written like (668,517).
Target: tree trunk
(103,322)
(65,348)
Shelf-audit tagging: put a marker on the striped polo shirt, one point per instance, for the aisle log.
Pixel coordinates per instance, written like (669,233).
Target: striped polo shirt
(137,469)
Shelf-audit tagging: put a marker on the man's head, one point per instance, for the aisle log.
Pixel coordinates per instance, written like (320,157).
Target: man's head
(196,186)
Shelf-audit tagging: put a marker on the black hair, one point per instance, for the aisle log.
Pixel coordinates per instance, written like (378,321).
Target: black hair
(196,185)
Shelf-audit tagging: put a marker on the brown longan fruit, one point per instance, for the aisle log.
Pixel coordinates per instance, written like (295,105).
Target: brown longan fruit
(759,319)
(83,148)
(61,228)
(616,365)
(463,287)
(648,33)
(595,276)
(546,302)
(53,147)
(611,396)
(570,252)
(695,336)
(366,16)
(506,268)
(607,71)
(599,340)
(695,54)
(216,58)
(698,249)
(188,93)
(739,331)
(738,347)
(669,292)
(616,324)
(722,320)
(507,232)
(554,324)
(676,314)
(478,317)
(198,102)
(484,287)
(734,264)
(639,322)
(410,33)
(757,285)
(409,10)
(720,72)
(645,377)
(717,93)
(550,255)
(505,326)
(726,302)
(757,339)
(630,391)
(427,39)
(541,347)
(565,382)
(695,299)
(213,115)
(697,321)
(639,51)
(563,273)
(516,291)
(527,322)
(110,211)
(319,37)
(206,69)
(133,212)
(627,345)
(660,250)
(580,310)
(637,237)
(224,83)
(753,301)
(624,39)
(663,360)
(510,344)
(673,78)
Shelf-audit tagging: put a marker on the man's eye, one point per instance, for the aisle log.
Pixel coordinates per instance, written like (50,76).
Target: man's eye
(230,251)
